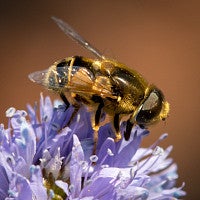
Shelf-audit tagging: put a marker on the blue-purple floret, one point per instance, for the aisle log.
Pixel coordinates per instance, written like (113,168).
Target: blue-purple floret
(41,157)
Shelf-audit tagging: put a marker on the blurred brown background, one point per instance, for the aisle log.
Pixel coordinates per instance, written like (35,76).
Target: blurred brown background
(160,39)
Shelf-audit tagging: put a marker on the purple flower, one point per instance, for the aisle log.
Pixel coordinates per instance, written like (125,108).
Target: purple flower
(41,157)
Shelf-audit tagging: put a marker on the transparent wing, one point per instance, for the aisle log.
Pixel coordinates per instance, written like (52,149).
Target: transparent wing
(38,77)
(82,83)
(69,31)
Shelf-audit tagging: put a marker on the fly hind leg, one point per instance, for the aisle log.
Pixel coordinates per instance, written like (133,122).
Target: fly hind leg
(76,107)
(63,97)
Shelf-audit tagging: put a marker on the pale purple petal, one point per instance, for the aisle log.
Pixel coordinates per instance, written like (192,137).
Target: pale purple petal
(132,192)
(76,166)
(46,109)
(104,157)
(100,188)
(63,186)
(23,188)
(36,184)
(46,157)
(129,148)
(4,183)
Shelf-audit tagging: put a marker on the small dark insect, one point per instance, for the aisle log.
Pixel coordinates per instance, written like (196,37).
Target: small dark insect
(105,85)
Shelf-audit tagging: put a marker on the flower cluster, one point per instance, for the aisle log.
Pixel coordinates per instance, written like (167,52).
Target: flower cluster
(41,157)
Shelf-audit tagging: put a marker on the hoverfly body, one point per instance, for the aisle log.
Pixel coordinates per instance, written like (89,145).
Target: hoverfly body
(104,85)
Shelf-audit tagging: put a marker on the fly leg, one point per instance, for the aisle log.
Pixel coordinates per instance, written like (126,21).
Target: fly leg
(96,120)
(129,126)
(98,116)
(63,97)
(76,107)
(116,126)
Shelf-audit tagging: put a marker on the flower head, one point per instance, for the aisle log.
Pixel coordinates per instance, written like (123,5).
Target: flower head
(45,158)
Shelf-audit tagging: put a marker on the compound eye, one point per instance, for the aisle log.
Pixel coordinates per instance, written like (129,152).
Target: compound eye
(150,108)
